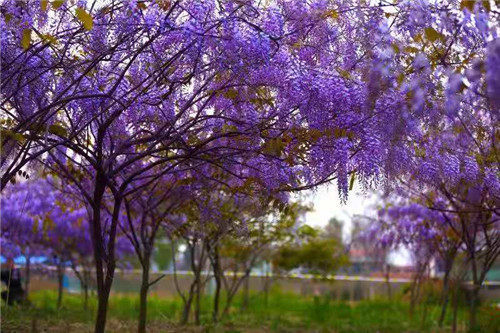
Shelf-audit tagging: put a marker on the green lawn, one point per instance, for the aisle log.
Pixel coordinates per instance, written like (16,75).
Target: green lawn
(284,312)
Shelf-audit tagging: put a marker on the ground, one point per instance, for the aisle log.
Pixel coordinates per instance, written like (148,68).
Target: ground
(283,313)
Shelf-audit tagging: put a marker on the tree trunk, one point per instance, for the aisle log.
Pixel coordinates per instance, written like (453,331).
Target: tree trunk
(27,277)
(246,292)
(98,246)
(102,308)
(474,297)
(415,288)
(476,285)
(104,283)
(143,303)
(444,297)
(455,310)
(266,289)
(187,307)
(218,283)
(103,298)
(85,292)
(387,280)
(60,277)
(198,299)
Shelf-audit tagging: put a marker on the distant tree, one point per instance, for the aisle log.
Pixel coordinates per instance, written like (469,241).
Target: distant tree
(311,251)
(334,229)
(163,254)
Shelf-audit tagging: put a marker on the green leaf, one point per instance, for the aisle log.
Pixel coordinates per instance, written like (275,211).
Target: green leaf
(345,74)
(163,4)
(469,4)
(411,49)
(395,47)
(85,18)
(49,38)
(8,134)
(432,35)
(331,13)
(351,183)
(58,130)
(26,40)
(231,94)
(44,4)
(486,5)
(56,4)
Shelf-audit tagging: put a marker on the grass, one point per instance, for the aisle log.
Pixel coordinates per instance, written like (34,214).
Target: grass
(284,312)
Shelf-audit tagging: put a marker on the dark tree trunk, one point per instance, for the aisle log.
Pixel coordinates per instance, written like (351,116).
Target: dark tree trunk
(474,298)
(455,310)
(232,290)
(143,303)
(102,308)
(474,293)
(445,295)
(60,277)
(187,306)
(85,292)
(246,292)
(388,281)
(197,305)
(104,283)
(266,289)
(27,277)
(194,286)
(415,287)
(218,283)
(98,246)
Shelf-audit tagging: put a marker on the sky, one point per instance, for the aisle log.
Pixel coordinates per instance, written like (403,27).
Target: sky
(326,202)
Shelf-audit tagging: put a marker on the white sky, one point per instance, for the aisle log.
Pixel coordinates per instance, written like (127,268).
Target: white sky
(327,204)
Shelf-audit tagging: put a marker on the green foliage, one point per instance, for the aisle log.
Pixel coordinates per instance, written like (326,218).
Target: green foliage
(85,18)
(287,258)
(306,231)
(58,129)
(26,39)
(318,253)
(322,256)
(163,255)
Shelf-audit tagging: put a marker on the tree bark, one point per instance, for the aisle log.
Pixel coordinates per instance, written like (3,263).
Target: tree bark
(97,243)
(102,308)
(474,297)
(187,306)
(197,304)
(266,288)
(445,294)
(218,283)
(85,292)
(476,285)
(104,283)
(455,310)
(246,292)
(143,303)
(60,277)
(27,277)
(388,281)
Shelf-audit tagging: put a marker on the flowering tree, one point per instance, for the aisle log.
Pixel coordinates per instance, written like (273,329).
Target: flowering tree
(20,230)
(148,211)
(427,234)
(38,219)
(288,95)
(452,174)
